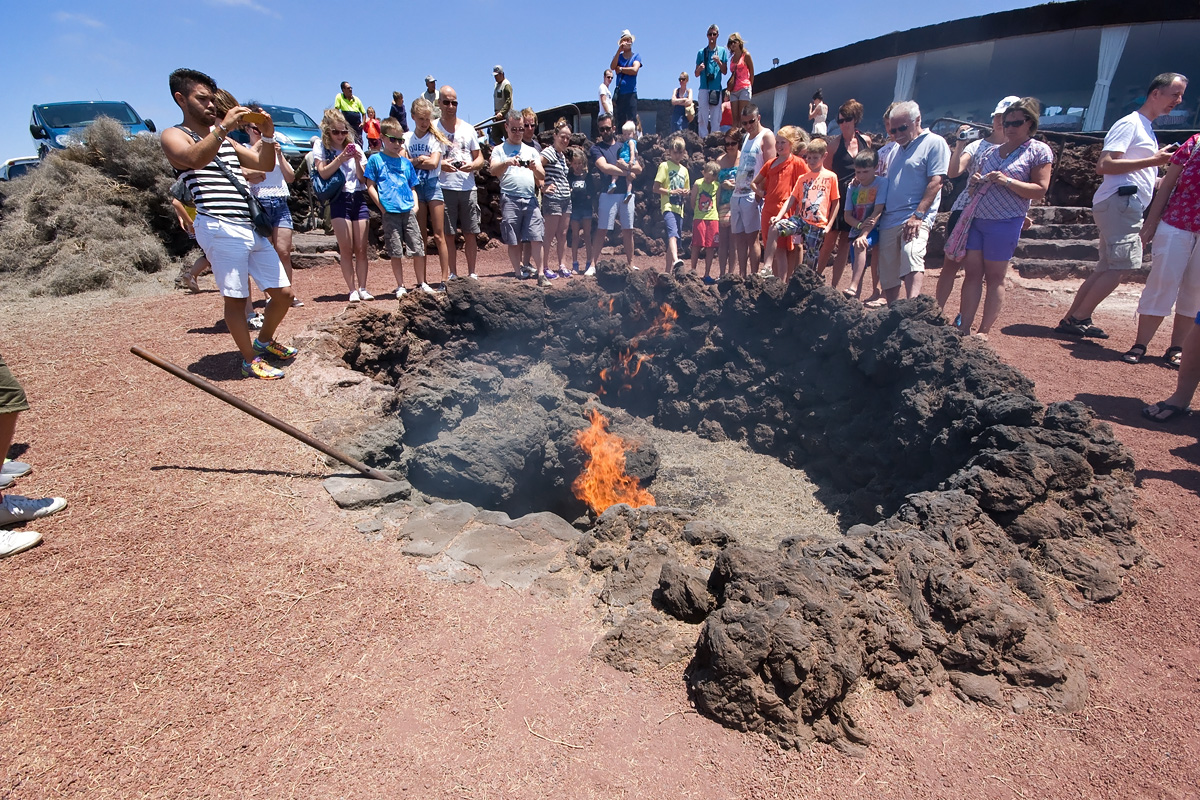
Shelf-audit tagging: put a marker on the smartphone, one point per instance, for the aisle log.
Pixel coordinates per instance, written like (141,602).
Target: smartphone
(254,117)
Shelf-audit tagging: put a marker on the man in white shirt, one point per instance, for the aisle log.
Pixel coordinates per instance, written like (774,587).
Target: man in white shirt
(432,95)
(1129,163)
(606,94)
(462,157)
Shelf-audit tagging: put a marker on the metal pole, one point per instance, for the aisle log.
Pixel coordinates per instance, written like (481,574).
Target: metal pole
(259,414)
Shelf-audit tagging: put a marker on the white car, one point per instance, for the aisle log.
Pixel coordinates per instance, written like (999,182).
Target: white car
(16,167)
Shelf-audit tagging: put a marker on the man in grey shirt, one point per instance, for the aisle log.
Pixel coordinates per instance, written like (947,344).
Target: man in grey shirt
(434,97)
(914,185)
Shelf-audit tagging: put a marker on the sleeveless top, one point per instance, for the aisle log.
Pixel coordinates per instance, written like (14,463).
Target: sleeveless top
(819,121)
(741,73)
(843,162)
(212,192)
(749,165)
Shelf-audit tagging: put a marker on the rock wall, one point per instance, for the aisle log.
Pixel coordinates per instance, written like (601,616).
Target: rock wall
(967,502)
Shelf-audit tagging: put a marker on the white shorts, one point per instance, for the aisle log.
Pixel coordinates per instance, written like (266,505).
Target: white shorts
(898,258)
(238,254)
(745,214)
(1174,278)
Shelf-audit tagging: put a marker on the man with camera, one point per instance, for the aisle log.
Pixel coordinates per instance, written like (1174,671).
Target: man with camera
(711,63)
(1129,163)
(462,157)
(520,170)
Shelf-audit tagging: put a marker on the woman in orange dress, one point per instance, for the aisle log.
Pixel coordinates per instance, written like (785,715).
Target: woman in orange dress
(774,184)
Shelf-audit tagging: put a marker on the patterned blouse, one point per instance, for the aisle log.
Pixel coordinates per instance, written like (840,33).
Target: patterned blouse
(1183,207)
(1000,202)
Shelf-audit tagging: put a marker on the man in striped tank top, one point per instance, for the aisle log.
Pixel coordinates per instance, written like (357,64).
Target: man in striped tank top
(224,228)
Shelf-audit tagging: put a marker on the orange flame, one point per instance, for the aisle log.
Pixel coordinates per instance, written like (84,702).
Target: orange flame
(604,482)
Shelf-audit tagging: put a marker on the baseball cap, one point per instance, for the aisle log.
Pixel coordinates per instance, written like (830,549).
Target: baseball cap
(1003,105)
(497,70)
(430,79)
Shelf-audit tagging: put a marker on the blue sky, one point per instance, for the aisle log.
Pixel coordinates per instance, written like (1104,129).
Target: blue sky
(281,52)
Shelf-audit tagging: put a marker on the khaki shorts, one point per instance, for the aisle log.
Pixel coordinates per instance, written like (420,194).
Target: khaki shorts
(12,396)
(401,234)
(1119,221)
(898,258)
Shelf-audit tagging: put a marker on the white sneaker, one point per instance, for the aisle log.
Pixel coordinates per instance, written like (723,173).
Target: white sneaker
(5,480)
(452,277)
(363,294)
(15,508)
(634,267)
(425,287)
(354,296)
(13,542)
(400,292)
(590,271)
(473,276)
(255,321)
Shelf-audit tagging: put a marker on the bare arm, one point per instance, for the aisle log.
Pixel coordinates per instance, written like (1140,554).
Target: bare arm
(259,157)
(768,147)
(748,60)
(834,141)
(833,212)
(1159,204)
(373,193)
(1111,163)
(1034,189)
(289,174)
(958,158)
(609,169)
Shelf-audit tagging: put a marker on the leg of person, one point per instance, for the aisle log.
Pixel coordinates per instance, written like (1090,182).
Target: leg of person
(945,282)
(627,245)
(358,231)
(994,275)
(841,257)
(1171,284)
(398,274)
(345,245)
(826,256)
(414,240)
(282,240)
(1185,384)
(625,217)
(913,262)
(1119,222)
(725,253)
(533,230)
(708,259)
(607,219)
(560,234)
(437,221)
(972,289)
(15,508)
(266,268)
(695,248)
(890,280)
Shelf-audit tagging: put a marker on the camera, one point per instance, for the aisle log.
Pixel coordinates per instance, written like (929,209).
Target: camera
(970,135)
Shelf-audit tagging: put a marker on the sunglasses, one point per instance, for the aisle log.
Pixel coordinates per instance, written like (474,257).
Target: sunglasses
(1015,123)
(897,129)
(449,102)
(714,35)
(845,119)
(731,144)
(530,127)
(338,133)
(394,139)
(606,130)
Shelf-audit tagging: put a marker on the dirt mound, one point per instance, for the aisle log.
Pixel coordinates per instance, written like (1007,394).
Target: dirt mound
(94,216)
(968,494)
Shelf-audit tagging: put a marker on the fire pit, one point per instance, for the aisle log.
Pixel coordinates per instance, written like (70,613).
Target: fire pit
(948,506)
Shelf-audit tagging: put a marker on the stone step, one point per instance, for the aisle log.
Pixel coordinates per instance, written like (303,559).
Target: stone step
(1068,249)
(1060,215)
(1062,269)
(1081,232)
(313,260)
(313,243)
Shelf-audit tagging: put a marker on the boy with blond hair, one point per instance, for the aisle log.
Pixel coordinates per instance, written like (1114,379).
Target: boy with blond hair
(706,218)
(671,184)
(391,179)
(815,199)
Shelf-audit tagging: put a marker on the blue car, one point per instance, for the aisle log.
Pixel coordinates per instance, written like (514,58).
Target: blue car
(56,126)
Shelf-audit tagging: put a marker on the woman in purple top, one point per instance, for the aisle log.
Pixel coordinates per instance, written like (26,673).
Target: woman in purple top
(1008,178)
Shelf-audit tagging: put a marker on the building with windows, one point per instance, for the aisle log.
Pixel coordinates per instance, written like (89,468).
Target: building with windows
(1088,62)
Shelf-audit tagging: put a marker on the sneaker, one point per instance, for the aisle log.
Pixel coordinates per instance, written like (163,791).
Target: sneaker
(765,272)
(473,276)
(15,508)
(590,271)
(441,287)
(525,272)
(563,272)
(273,348)
(15,469)
(575,266)
(13,542)
(634,267)
(1080,327)
(543,280)
(363,294)
(452,277)
(187,280)
(297,302)
(629,197)
(400,292)
(354,296)
(551,274)
(709,280)
(6,480)
(259,368)
(255,321)
(425,287)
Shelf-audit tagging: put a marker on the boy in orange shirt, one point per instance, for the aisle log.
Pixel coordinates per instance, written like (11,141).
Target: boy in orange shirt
(816,200)
(773,183)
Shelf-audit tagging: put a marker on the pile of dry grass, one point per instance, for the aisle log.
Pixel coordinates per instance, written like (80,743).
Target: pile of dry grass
(95,216)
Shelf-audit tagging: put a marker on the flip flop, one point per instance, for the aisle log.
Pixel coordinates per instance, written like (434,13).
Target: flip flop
(1153,412)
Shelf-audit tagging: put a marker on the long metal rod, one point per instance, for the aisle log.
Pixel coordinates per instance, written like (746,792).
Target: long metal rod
(259,414)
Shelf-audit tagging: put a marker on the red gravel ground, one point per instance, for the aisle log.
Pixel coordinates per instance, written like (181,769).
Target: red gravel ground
(203,622)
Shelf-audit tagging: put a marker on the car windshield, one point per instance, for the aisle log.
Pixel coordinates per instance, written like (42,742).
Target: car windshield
(289,117)
(20,168)
(79,115)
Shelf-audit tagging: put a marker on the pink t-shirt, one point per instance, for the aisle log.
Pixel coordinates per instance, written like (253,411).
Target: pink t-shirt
(1183,207)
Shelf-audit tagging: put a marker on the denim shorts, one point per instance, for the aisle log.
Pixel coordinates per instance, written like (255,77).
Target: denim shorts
(997,238)
(349,205)
(429,192)
(672,222)
(277,209)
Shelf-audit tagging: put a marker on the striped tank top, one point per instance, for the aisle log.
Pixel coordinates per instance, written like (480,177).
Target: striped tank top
(212,192)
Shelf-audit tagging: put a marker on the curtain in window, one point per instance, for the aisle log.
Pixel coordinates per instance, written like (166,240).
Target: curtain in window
(906,78)
(780,106)
(1112,45)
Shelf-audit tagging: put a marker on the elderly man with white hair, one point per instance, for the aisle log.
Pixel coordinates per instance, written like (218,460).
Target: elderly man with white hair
(914,182)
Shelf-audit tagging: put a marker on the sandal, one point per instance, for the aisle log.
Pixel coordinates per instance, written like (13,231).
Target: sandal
(1173,357)
(1135,354)
(1155,412)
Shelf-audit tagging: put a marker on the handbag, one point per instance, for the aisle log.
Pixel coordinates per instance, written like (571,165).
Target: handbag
(714,97)
(258,218)
(326,188)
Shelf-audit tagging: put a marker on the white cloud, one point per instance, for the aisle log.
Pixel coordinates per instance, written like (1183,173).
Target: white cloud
(246,4)
(79,19)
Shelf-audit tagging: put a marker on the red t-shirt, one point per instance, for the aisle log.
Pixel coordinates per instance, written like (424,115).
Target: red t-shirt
(815,194)
(1183,207)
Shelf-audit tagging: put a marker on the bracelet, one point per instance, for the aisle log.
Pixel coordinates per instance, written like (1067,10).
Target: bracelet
(269,139)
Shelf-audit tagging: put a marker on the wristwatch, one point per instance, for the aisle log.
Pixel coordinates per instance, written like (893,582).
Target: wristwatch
(920,215)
